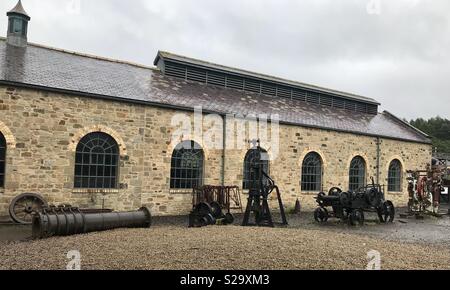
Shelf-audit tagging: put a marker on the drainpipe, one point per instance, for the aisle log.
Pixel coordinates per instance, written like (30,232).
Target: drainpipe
(378,159)
(224,149)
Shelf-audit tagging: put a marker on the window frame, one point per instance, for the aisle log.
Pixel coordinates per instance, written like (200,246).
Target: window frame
(86,160)
(183,178)
(360,177)
(4,147)
(307,183)
(395,176)
(246,177)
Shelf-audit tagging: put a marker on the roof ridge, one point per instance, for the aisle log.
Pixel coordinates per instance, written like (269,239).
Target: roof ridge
(266,76)
(88,55)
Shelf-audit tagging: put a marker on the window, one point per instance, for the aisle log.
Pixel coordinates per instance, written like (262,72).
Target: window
(250,174)
(187,166)
(395,176)
(312,172)
(357,173)
(2,160)
(18,26)
(97,162)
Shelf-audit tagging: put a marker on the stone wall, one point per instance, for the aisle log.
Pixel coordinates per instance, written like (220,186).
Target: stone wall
(42,131)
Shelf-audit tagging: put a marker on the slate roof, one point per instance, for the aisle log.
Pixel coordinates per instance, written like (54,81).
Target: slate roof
(51,69)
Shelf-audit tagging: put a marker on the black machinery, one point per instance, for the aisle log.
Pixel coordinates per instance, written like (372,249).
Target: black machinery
(65,220)
(350,206)
(205,214)
(261,187)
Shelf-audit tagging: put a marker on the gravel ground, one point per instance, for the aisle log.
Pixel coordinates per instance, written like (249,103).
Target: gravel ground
(169,244)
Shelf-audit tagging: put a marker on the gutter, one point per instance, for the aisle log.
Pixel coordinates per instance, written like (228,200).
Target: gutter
(189,109)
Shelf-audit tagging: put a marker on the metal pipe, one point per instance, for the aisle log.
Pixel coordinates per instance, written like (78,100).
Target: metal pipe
(66,221)
(378,159)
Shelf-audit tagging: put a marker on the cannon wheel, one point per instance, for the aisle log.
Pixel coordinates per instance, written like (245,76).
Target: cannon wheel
(356,217)
(387,212)
(24,206)
(321,215)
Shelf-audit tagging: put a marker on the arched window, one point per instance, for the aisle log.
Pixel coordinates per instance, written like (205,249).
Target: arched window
(312,172)
(187,166)
(97,162)
(2,160)
(357,173)
(249,174)
(395,176)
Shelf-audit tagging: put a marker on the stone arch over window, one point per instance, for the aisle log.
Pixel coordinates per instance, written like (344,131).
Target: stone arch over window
(312,172)
(8,135)
(250,174)
(2,159)
(186,170)
(395,176)
(97,162)
(99,128)
(357,173)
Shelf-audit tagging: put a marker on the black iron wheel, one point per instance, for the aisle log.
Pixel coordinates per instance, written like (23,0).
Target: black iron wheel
(321,215)
(24,206)
(211,220)
(203,209)
(334,191)
(387,212)
(216,210)
(356,217)
(229,218)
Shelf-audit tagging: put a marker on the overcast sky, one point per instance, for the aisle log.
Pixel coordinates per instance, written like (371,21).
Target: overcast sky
(396,51)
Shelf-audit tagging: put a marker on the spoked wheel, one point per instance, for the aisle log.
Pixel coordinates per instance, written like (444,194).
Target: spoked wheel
(356,217)
(24,206)
(387,212)
(321,215)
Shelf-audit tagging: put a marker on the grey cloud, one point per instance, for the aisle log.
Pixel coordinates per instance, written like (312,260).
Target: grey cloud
(400,57)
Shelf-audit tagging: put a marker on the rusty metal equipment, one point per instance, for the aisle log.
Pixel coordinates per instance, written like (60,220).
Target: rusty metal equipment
(228,197)
(262,186)
(350,206)
(204,214)
(425,188)
(67,220)
(23,207)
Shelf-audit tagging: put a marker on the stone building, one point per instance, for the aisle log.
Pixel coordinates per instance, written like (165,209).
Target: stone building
(87,130)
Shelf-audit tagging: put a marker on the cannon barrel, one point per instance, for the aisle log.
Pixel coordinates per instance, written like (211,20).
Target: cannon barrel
(66,221)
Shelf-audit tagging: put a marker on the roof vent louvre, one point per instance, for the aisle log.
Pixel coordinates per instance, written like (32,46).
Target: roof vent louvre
(216,79)
(233,80)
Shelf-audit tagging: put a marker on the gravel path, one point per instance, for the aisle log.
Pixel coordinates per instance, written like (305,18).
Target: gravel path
(170,245)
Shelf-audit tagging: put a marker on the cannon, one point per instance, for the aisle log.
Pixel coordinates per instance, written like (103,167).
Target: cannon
(65,220)
(350,206)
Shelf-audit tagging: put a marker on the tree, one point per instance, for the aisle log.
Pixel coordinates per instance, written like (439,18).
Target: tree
(439,130)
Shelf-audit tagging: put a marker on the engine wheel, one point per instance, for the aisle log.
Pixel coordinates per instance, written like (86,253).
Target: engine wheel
(321,215)
(387,212)
(356,218)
